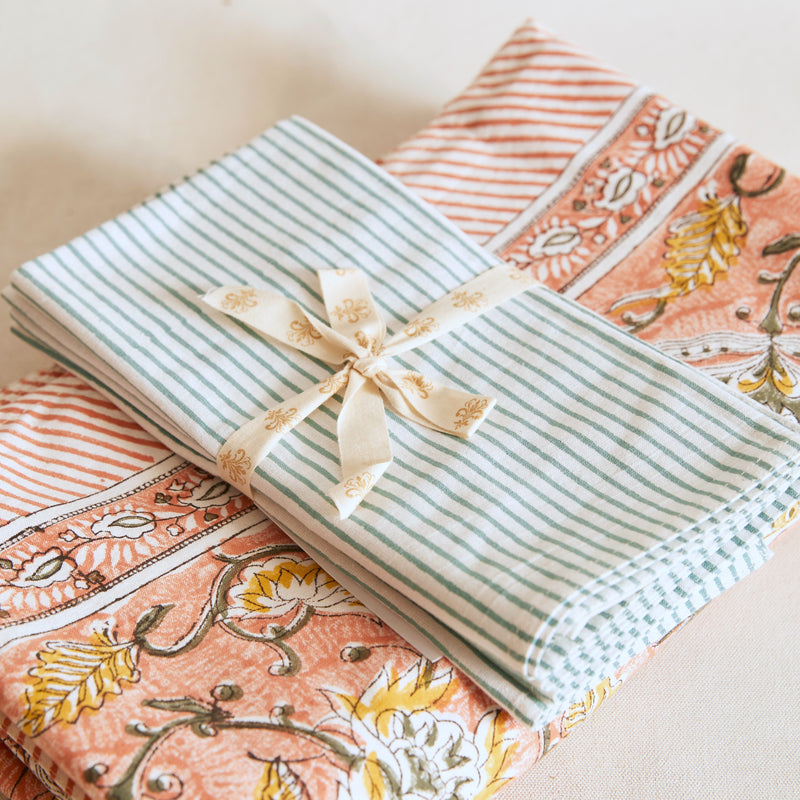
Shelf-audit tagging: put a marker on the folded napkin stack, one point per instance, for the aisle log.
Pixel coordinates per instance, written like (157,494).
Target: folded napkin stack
(609,494)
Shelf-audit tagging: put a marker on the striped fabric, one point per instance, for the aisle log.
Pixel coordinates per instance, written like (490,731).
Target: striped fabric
(632,490)
(502,141)
(478,173)
(59,441)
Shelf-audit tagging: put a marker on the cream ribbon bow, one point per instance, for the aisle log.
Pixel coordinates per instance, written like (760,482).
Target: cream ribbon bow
(354,341)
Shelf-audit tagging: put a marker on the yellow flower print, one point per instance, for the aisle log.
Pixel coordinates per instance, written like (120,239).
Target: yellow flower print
(703,247)
(408,743)
(772,382)
(281,584)
(579,711)
(279,782)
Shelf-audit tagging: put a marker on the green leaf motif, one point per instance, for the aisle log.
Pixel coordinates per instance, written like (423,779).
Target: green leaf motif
(675,123)
(151,619)
(622,187)
(214,491)
(132,521)
(783,245)
(185,704)
(561,238)
(47,570)
(738,167)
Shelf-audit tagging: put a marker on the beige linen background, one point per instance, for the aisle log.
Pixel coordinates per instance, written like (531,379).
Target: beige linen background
(103,103)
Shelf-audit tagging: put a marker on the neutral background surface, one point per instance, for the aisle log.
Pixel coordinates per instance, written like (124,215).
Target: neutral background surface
(104,102)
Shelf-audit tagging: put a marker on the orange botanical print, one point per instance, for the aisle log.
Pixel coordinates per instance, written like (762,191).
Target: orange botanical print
(73,676)
(471,412)
(287,583)
(209,492)
(352,310)
(703,246)
(280,419)
(614,193)
(418,384)
(235,464)
(772,382)
(302,332)
(78,555)
(471,301)
(398,708)
(400,726)
(43,569)
(240,301)
(424,326)
(280,782)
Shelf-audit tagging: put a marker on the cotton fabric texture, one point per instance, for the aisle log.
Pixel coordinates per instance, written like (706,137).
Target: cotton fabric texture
(72,749)
(609,495)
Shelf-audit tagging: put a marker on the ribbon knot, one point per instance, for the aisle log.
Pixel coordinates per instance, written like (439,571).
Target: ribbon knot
(369,366)
(354,344)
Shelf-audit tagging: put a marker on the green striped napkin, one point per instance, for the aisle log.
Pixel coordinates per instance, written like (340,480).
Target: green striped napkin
(610,493)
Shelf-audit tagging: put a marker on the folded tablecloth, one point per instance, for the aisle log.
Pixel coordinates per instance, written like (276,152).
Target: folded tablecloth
(552,255)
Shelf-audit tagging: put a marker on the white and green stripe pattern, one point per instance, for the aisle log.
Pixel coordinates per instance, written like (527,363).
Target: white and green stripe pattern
(610,494)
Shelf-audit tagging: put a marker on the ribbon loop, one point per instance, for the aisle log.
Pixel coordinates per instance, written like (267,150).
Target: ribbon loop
(355,339)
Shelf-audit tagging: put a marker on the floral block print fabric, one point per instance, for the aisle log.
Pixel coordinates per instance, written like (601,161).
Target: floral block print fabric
(163,625)
(581,522)
(528,118)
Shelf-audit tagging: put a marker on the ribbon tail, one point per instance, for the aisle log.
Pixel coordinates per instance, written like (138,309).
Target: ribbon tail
(250,444)
(365,450)
(432,404)
(461,306)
